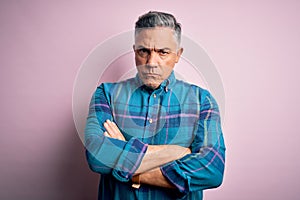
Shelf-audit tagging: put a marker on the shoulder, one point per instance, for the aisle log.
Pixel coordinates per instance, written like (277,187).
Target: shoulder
(109,89)
(108,86)
(188,88)
(192,92)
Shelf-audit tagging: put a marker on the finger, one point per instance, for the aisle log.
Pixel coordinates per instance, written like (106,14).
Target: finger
(109,130)
(189,150)
(117,130)
(114,127)
(106,134)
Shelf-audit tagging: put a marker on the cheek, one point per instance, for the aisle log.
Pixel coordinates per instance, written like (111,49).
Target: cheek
(139,61)
(169,64)
(138,67)
(167,68)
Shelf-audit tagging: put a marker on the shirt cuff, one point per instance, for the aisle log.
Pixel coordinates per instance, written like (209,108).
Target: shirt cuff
(176,176)
(129,160)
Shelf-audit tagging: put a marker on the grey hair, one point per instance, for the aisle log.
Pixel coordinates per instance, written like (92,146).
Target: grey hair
(159,19)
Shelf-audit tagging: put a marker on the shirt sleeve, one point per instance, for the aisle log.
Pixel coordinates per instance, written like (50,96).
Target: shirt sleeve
(107,155)
(204,167)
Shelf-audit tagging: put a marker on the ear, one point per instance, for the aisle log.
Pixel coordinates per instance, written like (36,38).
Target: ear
(179,52)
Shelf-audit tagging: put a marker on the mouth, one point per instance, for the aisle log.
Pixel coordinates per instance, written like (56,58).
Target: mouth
(150,74)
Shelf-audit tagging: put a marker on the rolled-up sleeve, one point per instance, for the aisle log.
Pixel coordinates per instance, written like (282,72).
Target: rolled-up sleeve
(204,167)
(107,155)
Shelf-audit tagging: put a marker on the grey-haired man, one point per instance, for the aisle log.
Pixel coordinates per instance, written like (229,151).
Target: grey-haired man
(153,136)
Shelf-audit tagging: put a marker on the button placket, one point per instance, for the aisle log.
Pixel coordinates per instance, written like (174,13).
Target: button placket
(151,115)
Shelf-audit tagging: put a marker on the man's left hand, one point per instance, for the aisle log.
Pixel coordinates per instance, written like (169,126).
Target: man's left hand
(113,131)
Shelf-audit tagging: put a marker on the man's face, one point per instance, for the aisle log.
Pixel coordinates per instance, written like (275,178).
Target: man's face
(156,52)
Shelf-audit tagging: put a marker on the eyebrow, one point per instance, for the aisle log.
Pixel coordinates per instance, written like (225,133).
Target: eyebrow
(142,47)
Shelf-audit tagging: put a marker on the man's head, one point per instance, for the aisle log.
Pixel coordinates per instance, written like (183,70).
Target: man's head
(157,47)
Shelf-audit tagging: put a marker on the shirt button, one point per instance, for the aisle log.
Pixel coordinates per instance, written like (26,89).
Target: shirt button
(154,95)
(150,121)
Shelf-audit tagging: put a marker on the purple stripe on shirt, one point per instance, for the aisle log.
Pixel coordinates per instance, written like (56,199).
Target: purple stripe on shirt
(161,117)
(130,116)
(216,154)
(178,186)
(180,115)
(139,158)
(210,111)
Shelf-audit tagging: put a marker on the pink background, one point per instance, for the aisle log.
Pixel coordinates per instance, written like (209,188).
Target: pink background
(254,45)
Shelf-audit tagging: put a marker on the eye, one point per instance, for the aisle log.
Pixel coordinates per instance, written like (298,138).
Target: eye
(163,52)
(143,52)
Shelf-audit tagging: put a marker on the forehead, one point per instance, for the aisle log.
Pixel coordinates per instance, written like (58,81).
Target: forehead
(158,37)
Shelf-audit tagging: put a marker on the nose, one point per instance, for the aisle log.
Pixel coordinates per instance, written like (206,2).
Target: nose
(152,59)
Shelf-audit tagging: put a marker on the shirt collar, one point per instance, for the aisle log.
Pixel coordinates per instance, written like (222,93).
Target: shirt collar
(167,84)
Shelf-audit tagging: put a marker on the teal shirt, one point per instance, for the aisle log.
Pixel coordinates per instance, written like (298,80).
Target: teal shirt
(176,113)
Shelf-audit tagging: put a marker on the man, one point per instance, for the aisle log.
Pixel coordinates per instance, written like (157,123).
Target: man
(153,136)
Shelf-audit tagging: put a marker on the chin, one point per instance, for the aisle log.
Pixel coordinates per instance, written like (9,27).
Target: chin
(152,85)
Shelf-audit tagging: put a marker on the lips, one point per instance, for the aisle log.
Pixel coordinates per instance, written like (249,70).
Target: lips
(150,74)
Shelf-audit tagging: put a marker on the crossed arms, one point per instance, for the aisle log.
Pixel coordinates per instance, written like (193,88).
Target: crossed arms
(198,167)
(155,156)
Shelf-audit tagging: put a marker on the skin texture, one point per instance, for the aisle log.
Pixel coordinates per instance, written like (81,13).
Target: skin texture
(156,53)
(156,178)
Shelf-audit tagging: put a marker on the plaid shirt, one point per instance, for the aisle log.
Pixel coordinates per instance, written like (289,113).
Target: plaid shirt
(176,113)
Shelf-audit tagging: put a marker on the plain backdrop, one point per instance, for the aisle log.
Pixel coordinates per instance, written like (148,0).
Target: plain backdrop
(255,46)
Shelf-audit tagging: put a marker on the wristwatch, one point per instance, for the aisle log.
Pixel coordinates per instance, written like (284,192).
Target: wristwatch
(136,181)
